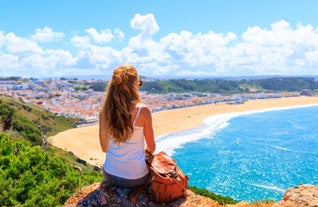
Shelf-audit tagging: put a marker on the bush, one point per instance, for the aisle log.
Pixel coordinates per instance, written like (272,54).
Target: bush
(6,114)
(30,176)
(27,129)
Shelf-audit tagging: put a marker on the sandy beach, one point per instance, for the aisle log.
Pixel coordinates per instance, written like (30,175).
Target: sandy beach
(84,141)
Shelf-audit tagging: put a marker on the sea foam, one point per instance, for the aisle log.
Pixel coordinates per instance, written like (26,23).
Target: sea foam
(175,140)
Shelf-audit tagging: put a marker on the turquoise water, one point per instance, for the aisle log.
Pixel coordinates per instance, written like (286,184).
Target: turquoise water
(249,156)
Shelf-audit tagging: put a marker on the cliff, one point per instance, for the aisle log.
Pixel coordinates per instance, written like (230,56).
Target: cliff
(98,195)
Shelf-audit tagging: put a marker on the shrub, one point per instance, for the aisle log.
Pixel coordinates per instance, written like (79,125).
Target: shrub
(30,176)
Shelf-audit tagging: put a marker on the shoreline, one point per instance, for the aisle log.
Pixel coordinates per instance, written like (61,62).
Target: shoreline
(84,141)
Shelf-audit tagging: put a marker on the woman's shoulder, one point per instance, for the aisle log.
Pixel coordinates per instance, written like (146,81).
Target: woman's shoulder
(143,107)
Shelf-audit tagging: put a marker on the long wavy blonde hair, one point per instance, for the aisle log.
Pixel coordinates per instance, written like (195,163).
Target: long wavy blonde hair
(121,92)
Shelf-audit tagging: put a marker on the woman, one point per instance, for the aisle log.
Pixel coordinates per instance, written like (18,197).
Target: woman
(125,130)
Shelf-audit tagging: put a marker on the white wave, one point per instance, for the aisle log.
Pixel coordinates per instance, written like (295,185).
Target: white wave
(170,142)
(280,148)
(211,125)
(269,187)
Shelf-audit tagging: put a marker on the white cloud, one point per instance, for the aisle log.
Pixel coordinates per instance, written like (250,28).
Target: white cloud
(103,37)
(312,58)
(280,49)
(1,38)
(80,42)
(146,23)
(102,57)
(120,34)
(197,49)
(59,59)
(46,35)
(15,44)
(7,59)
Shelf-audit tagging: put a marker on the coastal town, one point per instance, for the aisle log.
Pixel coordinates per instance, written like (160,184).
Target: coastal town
(74,98)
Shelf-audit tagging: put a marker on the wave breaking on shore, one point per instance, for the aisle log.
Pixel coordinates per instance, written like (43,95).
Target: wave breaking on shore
(176,140)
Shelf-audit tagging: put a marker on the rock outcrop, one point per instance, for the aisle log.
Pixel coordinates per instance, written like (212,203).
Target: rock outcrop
(98,194)
(303,195)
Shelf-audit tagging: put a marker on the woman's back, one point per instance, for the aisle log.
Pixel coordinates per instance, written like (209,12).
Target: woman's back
(127,159)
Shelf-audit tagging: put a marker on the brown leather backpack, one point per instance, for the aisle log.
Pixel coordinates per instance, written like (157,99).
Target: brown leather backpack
(169,182)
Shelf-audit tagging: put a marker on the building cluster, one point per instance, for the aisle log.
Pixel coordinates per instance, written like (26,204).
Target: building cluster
(74,98)
(59,96)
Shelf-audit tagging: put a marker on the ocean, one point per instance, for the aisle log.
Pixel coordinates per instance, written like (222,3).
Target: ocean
(251,156)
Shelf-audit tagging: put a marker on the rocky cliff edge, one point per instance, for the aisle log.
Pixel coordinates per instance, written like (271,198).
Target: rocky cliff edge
(98,194)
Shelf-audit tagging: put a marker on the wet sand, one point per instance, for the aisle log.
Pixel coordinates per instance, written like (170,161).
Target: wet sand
(84,141)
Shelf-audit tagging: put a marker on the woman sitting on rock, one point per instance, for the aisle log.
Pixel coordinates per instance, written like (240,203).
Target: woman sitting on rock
(125,130)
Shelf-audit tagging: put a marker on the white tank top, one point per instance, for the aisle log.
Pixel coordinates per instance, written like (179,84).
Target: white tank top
(127,160)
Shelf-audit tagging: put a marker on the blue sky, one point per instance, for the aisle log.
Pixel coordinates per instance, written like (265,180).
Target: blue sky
(182,38)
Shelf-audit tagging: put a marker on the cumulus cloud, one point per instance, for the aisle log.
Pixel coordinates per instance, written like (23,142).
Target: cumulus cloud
(46,35)
(1,38)
(80,42)
(7,59)
(120,34)
(102,37)
(105,36)
(146,23)
(281,49)
(197,49)
(20,45)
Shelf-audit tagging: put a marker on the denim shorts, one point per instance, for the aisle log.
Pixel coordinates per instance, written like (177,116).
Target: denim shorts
(123,182)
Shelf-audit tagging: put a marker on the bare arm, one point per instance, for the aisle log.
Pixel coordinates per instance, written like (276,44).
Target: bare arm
(103,137)
(148,130)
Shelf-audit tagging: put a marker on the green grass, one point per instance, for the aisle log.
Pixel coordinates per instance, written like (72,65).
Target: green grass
(222,200)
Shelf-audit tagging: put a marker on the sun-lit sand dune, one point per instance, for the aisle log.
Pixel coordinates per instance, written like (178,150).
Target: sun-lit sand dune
(84,141)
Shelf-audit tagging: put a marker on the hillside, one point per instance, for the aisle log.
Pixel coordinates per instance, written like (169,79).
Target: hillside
(34,173)
(224,86)
(30,122)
